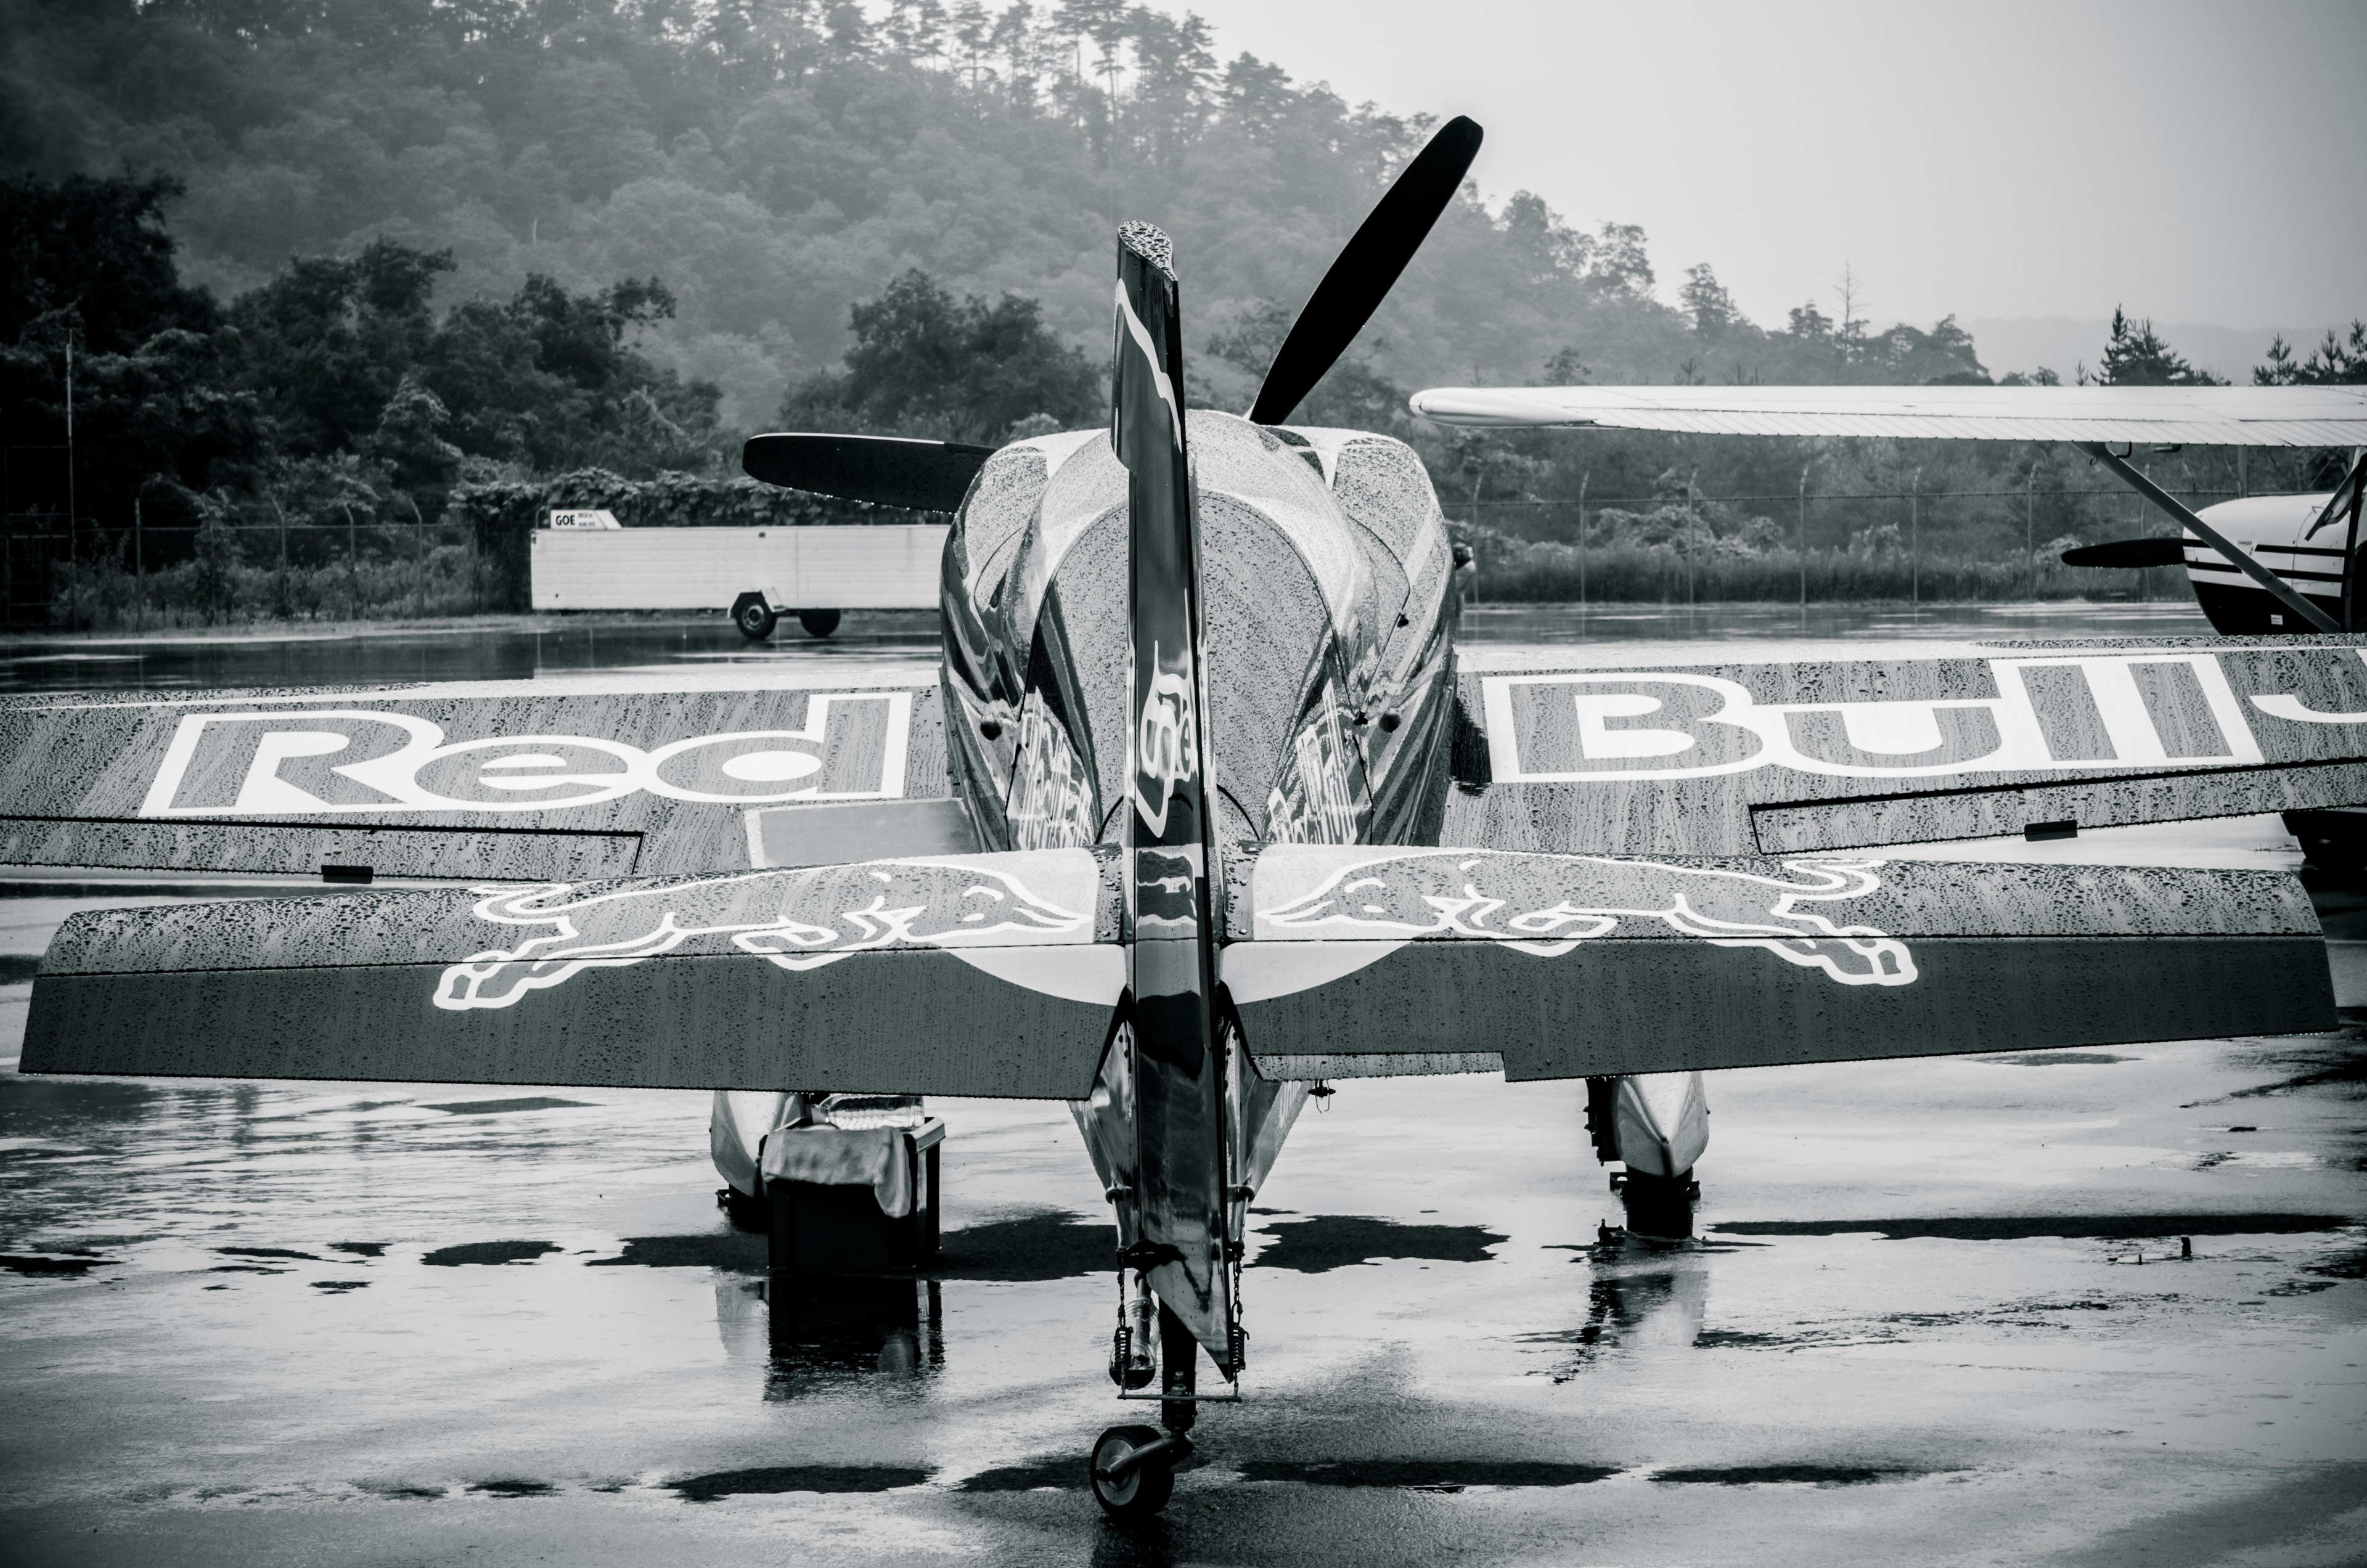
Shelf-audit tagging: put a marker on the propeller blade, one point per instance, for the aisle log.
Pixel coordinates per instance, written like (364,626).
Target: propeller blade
(1365,268)
(886,471)
(2129,553)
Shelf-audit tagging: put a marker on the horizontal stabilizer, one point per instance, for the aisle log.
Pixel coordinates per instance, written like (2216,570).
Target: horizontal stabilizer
(973,975)
(1367,960)
(886,471)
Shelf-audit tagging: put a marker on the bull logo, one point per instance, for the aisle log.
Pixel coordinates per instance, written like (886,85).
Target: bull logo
(798,919)
(1547,905)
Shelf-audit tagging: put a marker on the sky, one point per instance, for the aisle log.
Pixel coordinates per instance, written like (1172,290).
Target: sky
(2196,163)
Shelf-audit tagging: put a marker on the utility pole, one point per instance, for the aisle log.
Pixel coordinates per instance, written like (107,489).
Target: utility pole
(138,569)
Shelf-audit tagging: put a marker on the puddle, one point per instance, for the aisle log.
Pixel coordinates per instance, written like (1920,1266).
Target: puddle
(1326,1242)
(822,1332)
(1787,1474)
(29,1263)
(1053,1244)
(338,1287)
(398,1492)
(266,1252)
(359,1248)
(778,1478)
(729,1250)
(1066,1472)
(2057,1059)
(1662,1307)
(513,1488)
(2025,1227)
(488,1252)
(1426,1475)
(496,1106)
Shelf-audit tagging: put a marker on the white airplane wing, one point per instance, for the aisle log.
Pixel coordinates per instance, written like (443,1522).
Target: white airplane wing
(2236,416)
(1780,749)
(602,775)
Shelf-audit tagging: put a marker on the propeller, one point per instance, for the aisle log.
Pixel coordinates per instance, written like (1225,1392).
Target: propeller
(1366,267)
(886,471)
(2129,553)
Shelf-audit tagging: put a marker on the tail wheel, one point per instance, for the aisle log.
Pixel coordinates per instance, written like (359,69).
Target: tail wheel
(1141,1490)
(754,618)
(818,623)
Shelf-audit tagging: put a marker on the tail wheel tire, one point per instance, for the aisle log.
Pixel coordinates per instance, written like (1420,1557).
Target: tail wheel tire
(1140,1492)
(818,623)
(754,618)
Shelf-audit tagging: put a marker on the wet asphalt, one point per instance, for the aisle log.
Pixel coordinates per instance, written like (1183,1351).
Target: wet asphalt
(1940,1313)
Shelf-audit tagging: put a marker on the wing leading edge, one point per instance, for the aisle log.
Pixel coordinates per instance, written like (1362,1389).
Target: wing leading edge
(2238,416)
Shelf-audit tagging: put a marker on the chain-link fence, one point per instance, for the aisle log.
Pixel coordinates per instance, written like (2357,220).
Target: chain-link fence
(1910,544)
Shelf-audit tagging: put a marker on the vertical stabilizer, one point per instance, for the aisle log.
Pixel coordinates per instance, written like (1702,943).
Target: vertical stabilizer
(1172,925)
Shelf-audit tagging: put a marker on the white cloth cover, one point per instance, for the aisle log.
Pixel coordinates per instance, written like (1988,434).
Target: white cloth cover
(836,1156)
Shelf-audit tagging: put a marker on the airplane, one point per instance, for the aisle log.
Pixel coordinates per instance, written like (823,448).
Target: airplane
(1202,811)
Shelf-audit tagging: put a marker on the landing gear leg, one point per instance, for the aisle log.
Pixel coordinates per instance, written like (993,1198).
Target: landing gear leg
(1657,1126)
(1133,1467)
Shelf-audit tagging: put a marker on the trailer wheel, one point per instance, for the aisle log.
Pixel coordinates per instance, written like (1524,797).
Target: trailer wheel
(754,618)
(818,623)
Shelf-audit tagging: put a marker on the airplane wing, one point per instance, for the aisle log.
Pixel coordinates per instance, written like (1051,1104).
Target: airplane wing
(1773,749)
(1375,961)
(608,774)
(996,974)
(2238,416)
(968,974)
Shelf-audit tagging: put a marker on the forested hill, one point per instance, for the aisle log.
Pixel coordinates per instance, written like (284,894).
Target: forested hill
(775,162)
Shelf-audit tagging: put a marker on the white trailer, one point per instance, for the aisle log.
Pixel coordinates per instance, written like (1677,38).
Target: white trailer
(762,573)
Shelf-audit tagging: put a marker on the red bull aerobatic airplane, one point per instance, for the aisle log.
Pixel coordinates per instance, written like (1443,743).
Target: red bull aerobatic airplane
(1199,809)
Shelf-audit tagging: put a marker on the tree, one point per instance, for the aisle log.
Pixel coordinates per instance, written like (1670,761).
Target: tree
(925,364)
(2335,362)
(95,252)
(330,339)
(1707,303)
(2134,355)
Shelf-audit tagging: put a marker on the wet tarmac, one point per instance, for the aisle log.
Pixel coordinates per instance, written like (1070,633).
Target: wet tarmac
(2087,1306)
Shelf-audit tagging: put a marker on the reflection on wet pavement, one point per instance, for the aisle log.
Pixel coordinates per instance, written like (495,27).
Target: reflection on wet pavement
(498,647)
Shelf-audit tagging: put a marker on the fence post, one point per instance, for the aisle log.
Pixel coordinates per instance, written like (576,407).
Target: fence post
(418,559)
(1803,535)
(1915,539)
(352,566)
(2030,527)
(139,566)
(1582,481)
